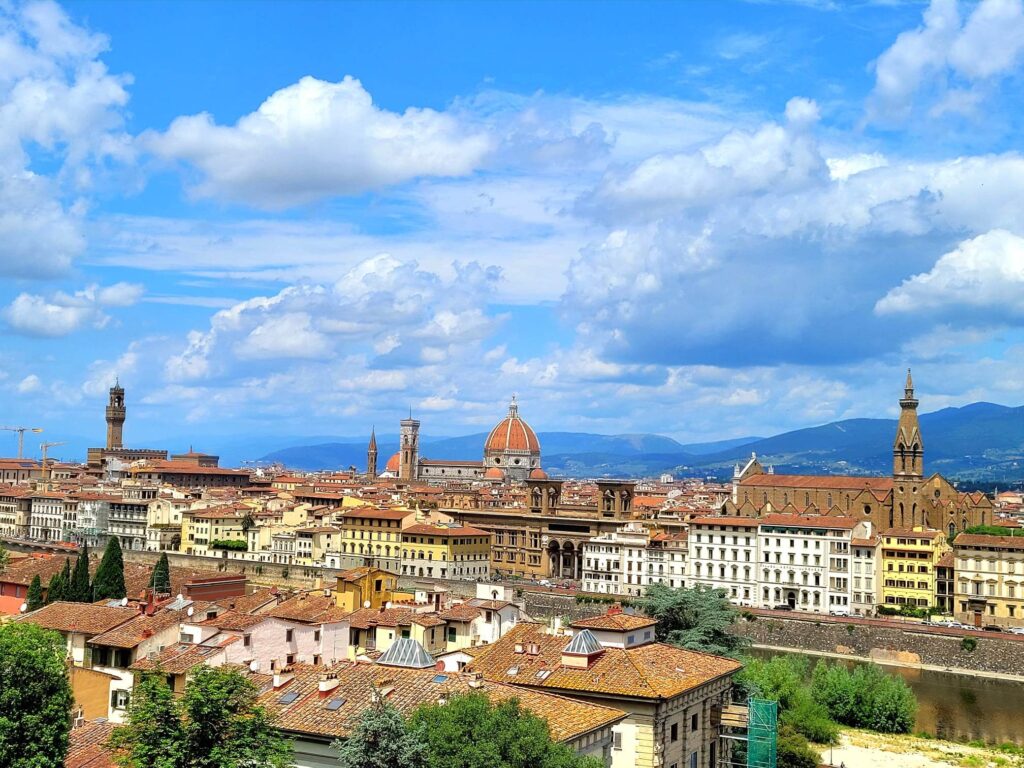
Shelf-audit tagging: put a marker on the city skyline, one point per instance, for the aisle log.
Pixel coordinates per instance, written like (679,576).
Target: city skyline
(704,220)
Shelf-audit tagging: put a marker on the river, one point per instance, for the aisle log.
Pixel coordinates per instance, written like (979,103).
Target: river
(958,707)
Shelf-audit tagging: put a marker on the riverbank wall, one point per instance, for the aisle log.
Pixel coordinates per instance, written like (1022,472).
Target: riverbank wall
(907,647)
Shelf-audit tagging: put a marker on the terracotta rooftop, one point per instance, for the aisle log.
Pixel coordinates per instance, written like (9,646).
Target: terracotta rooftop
(907,533)
(651,671)
(809,521)
(309,608)
(422,529)
(134,631)
(984,541)
(335,714)
(87,746)
(178,659)
(836,482)
(733,520)
(81,618)
(616,622)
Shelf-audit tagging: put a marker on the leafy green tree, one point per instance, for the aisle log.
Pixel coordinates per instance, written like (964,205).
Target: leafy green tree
(865,697)
(35,697)
(470,731)
(785,679)
(217,723)
(793,751)
(34,599)
(109,581)
(224,727)
(79,590)
(160,581)
(152,736)
(382,739)
(60,582)
(4,558)
(698,618)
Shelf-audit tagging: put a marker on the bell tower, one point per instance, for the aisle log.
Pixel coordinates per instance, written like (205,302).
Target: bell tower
(908,448)
(115,417)
(409,449)
(371,456)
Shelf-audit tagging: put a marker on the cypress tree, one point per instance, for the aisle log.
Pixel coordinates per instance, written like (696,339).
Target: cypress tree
(161,579)
(34,601)
(59,583)
(79,590)
(109,581)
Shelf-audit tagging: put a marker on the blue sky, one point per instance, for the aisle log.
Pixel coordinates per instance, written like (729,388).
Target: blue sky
(700,219)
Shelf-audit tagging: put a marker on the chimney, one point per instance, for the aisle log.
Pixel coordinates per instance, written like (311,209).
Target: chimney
(328,682)
(518,648)
(615,610)
(282,676)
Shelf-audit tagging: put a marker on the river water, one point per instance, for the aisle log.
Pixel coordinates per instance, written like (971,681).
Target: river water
(958,707)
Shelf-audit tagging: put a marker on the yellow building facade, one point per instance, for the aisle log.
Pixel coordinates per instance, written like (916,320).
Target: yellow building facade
(910,560)
(367,587)
(446,551)
(989,575)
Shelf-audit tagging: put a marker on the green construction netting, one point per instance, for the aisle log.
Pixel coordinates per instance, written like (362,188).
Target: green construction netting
(762,730)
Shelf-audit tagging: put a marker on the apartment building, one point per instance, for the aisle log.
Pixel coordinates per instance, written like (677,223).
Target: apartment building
(989,573)
(910,558)
(723,555)
(46,517)
(806,561)
(445,550)
(867,565)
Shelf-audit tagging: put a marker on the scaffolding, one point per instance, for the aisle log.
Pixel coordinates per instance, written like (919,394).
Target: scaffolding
(749,734)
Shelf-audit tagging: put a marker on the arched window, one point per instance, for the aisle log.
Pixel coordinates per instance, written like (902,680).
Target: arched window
(952,530)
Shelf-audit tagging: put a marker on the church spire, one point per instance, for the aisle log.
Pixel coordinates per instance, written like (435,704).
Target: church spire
(908,447)
(371,455)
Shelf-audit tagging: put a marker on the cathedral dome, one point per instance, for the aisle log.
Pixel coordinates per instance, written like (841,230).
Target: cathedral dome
(512,434)
(393,464)
(493,473)
(538,474)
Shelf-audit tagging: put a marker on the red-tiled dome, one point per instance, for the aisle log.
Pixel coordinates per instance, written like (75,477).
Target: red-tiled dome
(512,434)
(493,473)
(538,474)
(392,465)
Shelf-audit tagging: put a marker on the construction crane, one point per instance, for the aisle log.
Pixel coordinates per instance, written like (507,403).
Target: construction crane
(21,437)
(47,474)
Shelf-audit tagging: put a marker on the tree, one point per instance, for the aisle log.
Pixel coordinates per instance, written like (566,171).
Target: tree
(785,679)
(109,581)
(793,751)
(470,731)
(60,582)
(160,581)
(216,724)
(152,737)
(35,697)
(34,600)
(382,739)
(79,590)
(865,697)
(697,618)
(4,558)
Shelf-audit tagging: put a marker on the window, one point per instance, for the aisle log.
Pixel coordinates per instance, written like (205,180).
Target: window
(616,740)
(693,760)
(674,733)
(246,640)
(119,699)
(288,633)
(694,721)
(316,636)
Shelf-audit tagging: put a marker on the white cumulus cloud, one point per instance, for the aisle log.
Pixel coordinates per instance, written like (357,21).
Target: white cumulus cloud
(317,139)
(985,272)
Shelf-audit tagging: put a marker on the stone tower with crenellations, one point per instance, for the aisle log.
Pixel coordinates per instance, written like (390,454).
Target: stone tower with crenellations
(409,449)
(115,417)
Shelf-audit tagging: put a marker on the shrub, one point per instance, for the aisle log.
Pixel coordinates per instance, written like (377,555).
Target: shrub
(969,644)
(236,545)
(850,629)
(865,698)
(793,751)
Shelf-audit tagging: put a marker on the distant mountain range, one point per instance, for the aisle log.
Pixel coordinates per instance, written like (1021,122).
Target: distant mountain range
(979,443)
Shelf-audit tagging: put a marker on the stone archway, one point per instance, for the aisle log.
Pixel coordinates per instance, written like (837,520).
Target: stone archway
(555,559)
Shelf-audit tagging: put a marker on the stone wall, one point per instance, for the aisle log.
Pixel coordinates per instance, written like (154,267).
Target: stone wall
(894,645)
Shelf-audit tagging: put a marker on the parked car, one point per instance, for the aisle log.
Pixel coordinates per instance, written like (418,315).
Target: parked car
(992,628)
(839,612)
(782,607)
(1016,630)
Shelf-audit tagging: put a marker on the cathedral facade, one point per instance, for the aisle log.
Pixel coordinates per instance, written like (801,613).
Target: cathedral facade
(906,499)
